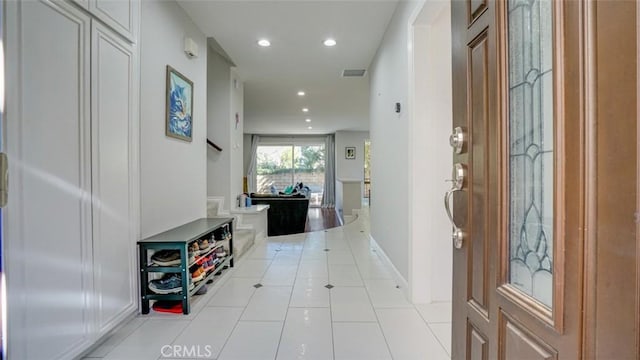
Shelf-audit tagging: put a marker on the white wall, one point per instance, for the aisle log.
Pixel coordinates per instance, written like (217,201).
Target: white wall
(218,125)
(349,169)
(173,172)
(430,154)
(389,131)
(237,136)
(225,99)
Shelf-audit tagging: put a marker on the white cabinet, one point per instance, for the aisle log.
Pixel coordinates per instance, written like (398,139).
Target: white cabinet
(121,15)
(71,220)
(113,92)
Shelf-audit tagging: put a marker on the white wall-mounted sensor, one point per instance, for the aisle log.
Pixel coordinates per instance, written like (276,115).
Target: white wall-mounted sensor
(190,47)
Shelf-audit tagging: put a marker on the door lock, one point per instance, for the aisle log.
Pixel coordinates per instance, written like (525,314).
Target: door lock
(457,139)
(459,176)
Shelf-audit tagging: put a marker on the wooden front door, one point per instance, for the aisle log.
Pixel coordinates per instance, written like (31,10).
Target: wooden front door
(516,295)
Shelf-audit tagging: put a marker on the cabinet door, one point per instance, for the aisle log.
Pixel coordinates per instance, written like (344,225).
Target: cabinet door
(49,214)
(122,15)
(83,3)
(112,118)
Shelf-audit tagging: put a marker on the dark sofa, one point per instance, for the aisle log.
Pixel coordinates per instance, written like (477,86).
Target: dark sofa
(287,213)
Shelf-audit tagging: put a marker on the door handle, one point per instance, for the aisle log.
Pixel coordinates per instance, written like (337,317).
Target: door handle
(458,182)
(457,235)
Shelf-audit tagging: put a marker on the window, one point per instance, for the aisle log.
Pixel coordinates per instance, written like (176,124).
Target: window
(280,166)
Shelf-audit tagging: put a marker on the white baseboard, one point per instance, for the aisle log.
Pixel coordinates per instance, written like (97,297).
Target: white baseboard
(397,277)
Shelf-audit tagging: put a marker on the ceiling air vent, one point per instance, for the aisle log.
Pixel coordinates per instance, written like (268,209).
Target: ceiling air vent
(353,72)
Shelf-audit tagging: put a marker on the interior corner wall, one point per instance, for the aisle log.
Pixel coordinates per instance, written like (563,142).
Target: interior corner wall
(246,155)
(172,172)
(237,137)
(350,169)
(225,125)
(389,209)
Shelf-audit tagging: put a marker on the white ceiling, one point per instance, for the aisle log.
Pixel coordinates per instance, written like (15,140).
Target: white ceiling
(297,59)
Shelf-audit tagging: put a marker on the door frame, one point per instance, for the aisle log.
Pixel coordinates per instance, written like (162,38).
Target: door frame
(430,163)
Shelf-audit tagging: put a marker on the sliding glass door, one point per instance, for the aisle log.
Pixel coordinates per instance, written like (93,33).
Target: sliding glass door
(281,167)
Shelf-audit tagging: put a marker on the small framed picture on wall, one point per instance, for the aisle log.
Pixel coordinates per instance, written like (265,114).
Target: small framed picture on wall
(350,152)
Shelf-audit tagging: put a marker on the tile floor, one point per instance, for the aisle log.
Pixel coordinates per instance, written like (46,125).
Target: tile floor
(293,315)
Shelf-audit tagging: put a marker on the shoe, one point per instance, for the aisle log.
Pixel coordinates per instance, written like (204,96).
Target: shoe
(166,257)
(221,252)
(168,284)
(198,274)
(168,306)
(203,290)
(204,245)
(194,248)
(208,263)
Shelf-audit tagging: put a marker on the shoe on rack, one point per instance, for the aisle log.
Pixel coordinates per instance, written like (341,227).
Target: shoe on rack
(168,284)
(198,274)
(166,257)
(221,252)
(204,245)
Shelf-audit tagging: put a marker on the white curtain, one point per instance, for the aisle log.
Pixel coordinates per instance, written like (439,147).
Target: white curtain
(251,171)
(329,195)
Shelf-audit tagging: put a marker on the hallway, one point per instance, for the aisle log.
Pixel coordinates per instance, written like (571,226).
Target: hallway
(291,314)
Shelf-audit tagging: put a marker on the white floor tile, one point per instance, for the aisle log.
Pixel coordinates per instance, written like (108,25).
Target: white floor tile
(280,275)
(385,294)
(236,292)
(313,269)
(315,244)
(210,330)
(337,244)
(251,268)
(264,250)
(359,341)
(310,292)
(344,275)
(408,335)
(148,340)
(269,303)
(439,312)
(313,254)
(253,340)
(373,269)
(306,335)
(340,257)
(351,304)
(287,257)
(443,334)
(115,339)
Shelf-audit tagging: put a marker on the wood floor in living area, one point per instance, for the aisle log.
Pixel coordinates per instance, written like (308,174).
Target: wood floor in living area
(321,219)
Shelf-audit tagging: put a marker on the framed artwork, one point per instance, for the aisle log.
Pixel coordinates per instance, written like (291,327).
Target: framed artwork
(350,152)
(179,111)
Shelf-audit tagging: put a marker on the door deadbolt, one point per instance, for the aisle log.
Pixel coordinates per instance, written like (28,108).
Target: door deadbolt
(459,176)
(457,139)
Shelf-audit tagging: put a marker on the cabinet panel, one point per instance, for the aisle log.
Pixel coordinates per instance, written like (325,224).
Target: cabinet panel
(83,3)
(121,15)
(54,207)
(112,83)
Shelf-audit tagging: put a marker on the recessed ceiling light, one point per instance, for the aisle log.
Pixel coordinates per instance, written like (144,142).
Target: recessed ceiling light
(264,42)
(301,93)
(307,120)
(305,110)
(310,127)
(330,42)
